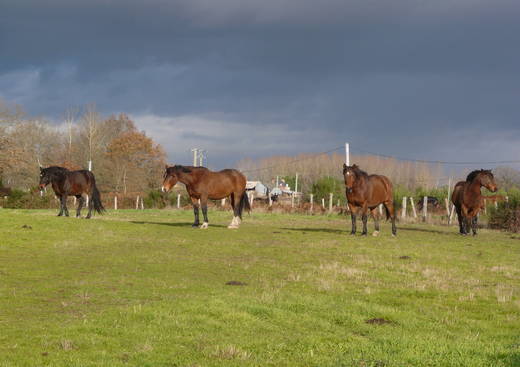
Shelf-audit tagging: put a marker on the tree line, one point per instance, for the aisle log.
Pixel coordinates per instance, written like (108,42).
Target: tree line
(123,158)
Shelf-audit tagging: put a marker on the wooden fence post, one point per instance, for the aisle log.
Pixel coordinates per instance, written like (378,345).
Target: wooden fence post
(292,200)
(312,203)
(485,206)
(323,202)
(178,201)
(403,209)
(115,202)
(137,203)
(413,207)
(142,204)
(330,202)
(425,208)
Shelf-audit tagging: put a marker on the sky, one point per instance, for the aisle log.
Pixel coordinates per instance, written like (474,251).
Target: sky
(436,80)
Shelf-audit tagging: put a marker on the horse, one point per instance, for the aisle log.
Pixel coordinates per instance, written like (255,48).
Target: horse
(203,184)
(468,200)
(67,183)
(366,192)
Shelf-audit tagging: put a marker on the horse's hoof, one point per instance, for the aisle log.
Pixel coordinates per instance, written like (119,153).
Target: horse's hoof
(364,234)
(375,234)
(195,225)
(232,226)
(352,233)
(204,225)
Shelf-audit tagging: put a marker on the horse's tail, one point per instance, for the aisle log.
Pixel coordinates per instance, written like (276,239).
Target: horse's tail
(388,215)
(96,199)
(243,204)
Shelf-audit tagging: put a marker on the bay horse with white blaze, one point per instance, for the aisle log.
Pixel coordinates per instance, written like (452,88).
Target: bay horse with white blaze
(366,192)
(67,183)
(468,199)
(203,184)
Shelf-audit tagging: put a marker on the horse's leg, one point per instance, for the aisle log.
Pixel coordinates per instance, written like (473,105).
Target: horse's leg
(375,215)
(466,220)
(474,225)
(204,206)
(460,219)
(80,205)
(389,206)
(364,218)
(234,206)
(90,205)
(195,203)
(353,213)
(64,210)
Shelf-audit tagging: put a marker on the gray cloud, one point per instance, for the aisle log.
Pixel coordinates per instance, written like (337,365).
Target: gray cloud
(411,78)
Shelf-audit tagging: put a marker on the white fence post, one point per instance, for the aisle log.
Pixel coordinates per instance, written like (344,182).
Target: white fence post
(137,203)
(403,209)
(178,201)
(115,202)
(292,200)
(223,202)
(142,204)
(270,199)
(380,206)
(323,202)
(425,208)
(412,204)
(330,202)
(312,203)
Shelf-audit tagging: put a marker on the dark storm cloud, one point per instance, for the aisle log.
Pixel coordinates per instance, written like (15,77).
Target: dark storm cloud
(404,77)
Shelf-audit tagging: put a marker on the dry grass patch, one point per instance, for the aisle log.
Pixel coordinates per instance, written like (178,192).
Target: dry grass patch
(230,352)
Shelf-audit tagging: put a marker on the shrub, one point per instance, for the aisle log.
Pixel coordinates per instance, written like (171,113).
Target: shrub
(506,216)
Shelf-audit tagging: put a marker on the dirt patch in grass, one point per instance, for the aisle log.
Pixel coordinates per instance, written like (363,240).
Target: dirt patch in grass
(235,282)
(379,321)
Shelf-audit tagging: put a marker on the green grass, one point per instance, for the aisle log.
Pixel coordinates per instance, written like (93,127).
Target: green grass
(145,289)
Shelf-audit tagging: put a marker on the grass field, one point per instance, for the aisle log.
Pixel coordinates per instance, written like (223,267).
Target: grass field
(145,289)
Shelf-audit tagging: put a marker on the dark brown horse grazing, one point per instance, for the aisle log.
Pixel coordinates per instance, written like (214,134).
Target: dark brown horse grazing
(468,200)
(67,183)
(365,192)
(203,184)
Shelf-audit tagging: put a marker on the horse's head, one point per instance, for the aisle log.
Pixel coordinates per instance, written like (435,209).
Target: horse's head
(45,178)
(488,180)
(349,174)
(169,179)
(485,178)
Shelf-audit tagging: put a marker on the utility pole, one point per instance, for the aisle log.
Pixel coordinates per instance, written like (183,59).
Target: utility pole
(347,154)
(202,155)
(195,156)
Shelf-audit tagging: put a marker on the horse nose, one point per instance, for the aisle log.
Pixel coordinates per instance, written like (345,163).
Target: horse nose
(163,189)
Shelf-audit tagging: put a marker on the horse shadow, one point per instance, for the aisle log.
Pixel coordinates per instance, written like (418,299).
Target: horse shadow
(323,230)
(186,224)
(426,230)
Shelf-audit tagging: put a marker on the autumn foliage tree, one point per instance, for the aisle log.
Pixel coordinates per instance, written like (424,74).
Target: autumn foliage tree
(136,162)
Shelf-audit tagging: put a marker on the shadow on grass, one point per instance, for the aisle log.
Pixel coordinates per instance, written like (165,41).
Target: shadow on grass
(185,225)
(326,230)
(426,230)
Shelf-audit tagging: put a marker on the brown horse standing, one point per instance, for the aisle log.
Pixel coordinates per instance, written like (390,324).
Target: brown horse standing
(203,184)
(468,200)
(67,183)
(366,192)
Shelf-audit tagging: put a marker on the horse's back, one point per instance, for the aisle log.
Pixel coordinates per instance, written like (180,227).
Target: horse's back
(381,188)
(458,191)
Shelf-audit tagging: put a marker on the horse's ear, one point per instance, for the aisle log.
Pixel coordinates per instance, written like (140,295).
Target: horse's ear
(355,166)
(41,169)
(344,165)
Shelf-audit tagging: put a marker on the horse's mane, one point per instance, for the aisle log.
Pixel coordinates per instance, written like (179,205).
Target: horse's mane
(56,169)
(358,171)
(185,169)
(472,175)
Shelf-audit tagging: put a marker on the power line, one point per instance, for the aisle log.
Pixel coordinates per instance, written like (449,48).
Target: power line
(436,162)
(294,161)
